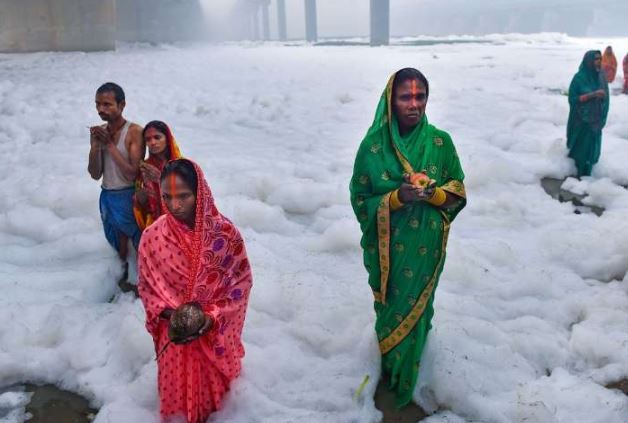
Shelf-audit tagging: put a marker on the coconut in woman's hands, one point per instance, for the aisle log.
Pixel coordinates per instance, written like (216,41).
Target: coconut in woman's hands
(187,323)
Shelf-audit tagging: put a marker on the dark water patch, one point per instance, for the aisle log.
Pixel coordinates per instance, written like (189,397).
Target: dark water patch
(340,43)
(438,42)
(622,385)
(50,404)
(554,91)
(552,186)
(385,402)
(408,43)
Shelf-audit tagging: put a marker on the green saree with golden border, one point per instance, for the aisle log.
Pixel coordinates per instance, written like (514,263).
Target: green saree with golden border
(404,250)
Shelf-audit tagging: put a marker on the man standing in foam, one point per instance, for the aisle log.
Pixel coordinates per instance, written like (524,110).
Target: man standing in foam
(116,150)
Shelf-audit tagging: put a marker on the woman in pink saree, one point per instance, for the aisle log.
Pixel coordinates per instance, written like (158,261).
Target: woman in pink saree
(193,255)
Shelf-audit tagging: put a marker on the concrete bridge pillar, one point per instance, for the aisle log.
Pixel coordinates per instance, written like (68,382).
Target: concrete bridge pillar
(311,30)
(57,25)
(159,20)
(281,20)
(266,19)
(380,22)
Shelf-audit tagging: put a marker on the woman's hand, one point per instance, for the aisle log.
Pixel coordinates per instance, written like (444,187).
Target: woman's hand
(149,172)
(142,197)
(428,191)
(409,193)
(209,323)
(590,96)
(166,313)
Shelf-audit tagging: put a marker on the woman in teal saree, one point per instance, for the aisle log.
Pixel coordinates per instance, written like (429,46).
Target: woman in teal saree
(405,226)
(588,108)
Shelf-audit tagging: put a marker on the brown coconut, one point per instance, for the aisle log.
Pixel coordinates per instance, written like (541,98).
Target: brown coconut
(186,321)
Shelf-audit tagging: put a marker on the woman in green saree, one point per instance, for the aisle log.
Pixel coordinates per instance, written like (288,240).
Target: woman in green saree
(405,227)
(588,108)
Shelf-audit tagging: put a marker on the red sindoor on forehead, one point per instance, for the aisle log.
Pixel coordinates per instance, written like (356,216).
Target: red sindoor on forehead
(173,185)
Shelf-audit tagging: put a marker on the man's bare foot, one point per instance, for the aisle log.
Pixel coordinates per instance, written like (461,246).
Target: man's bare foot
(123,282)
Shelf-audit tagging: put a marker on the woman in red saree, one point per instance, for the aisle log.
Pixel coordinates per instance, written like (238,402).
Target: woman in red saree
(162,147)
(193,254)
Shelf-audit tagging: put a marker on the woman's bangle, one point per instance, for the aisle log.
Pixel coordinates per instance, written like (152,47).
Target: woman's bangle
(438,198)
(395,201)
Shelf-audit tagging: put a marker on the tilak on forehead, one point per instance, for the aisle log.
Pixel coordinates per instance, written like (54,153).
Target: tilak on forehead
(415,88)
(173,185)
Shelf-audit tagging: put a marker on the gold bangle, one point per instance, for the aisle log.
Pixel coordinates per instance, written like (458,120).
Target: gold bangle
(438,198)
(395,202)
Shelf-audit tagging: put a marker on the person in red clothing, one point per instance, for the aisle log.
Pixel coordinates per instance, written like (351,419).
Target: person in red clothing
(625,91)
(192,258)
(162,147)
(609,64)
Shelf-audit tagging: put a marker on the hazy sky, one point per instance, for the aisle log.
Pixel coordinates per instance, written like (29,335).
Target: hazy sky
(440,17)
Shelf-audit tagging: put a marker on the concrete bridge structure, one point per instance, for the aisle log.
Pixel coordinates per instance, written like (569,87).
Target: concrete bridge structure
(91,25)
(59,25)
(260,11)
